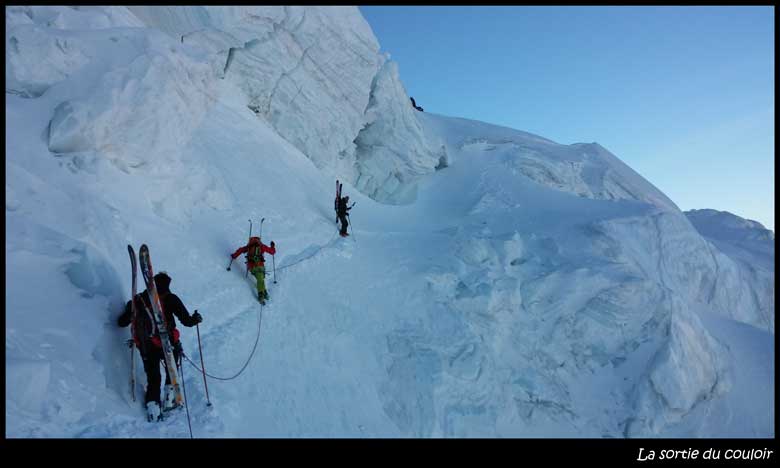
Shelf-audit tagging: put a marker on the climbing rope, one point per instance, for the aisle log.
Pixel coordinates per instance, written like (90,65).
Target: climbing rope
(309,256)
(257,339)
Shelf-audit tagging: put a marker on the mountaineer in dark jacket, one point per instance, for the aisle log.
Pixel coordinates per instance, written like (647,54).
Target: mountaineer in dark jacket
(343,212)
(147,338)
(414,104)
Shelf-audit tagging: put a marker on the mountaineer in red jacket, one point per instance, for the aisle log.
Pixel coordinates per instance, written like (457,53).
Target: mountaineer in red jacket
(255,263)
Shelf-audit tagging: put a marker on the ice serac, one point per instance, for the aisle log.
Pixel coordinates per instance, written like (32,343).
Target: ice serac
(40,52)
(142,111)
(732,276)
(133,95)
(393,150)
(745,252)
(725,228)
(687,373)
(603,275)
(584,169)
(688,367)
(674,255)
(310,77)
(316,75)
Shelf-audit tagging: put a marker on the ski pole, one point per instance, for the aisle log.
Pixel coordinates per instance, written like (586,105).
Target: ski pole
(132,368)
(203,366)
(133,321)
(186,405)
(231,262)
(247,259)
(273,257)
(351,229)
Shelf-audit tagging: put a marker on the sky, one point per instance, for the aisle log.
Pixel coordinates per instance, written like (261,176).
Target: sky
(683,95)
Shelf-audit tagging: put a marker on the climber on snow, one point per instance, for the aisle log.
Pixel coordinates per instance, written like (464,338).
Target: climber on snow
(256,263)
(414,104)
(343,212)
(147,339)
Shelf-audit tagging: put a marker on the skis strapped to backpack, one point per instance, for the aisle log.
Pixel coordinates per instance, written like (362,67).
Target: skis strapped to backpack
(160,323)
(336,201)
(131,342)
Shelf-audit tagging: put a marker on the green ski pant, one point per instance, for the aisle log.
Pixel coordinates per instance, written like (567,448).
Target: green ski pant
(259,273)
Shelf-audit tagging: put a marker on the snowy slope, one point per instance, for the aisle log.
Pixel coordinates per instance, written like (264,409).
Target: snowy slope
(525,288)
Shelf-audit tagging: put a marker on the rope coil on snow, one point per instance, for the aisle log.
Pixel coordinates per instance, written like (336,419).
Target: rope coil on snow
(257,340)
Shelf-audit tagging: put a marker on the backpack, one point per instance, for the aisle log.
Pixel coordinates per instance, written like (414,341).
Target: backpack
(254,252)
(143,327)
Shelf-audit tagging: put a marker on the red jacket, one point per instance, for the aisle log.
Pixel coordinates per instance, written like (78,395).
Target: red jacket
(254,254)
